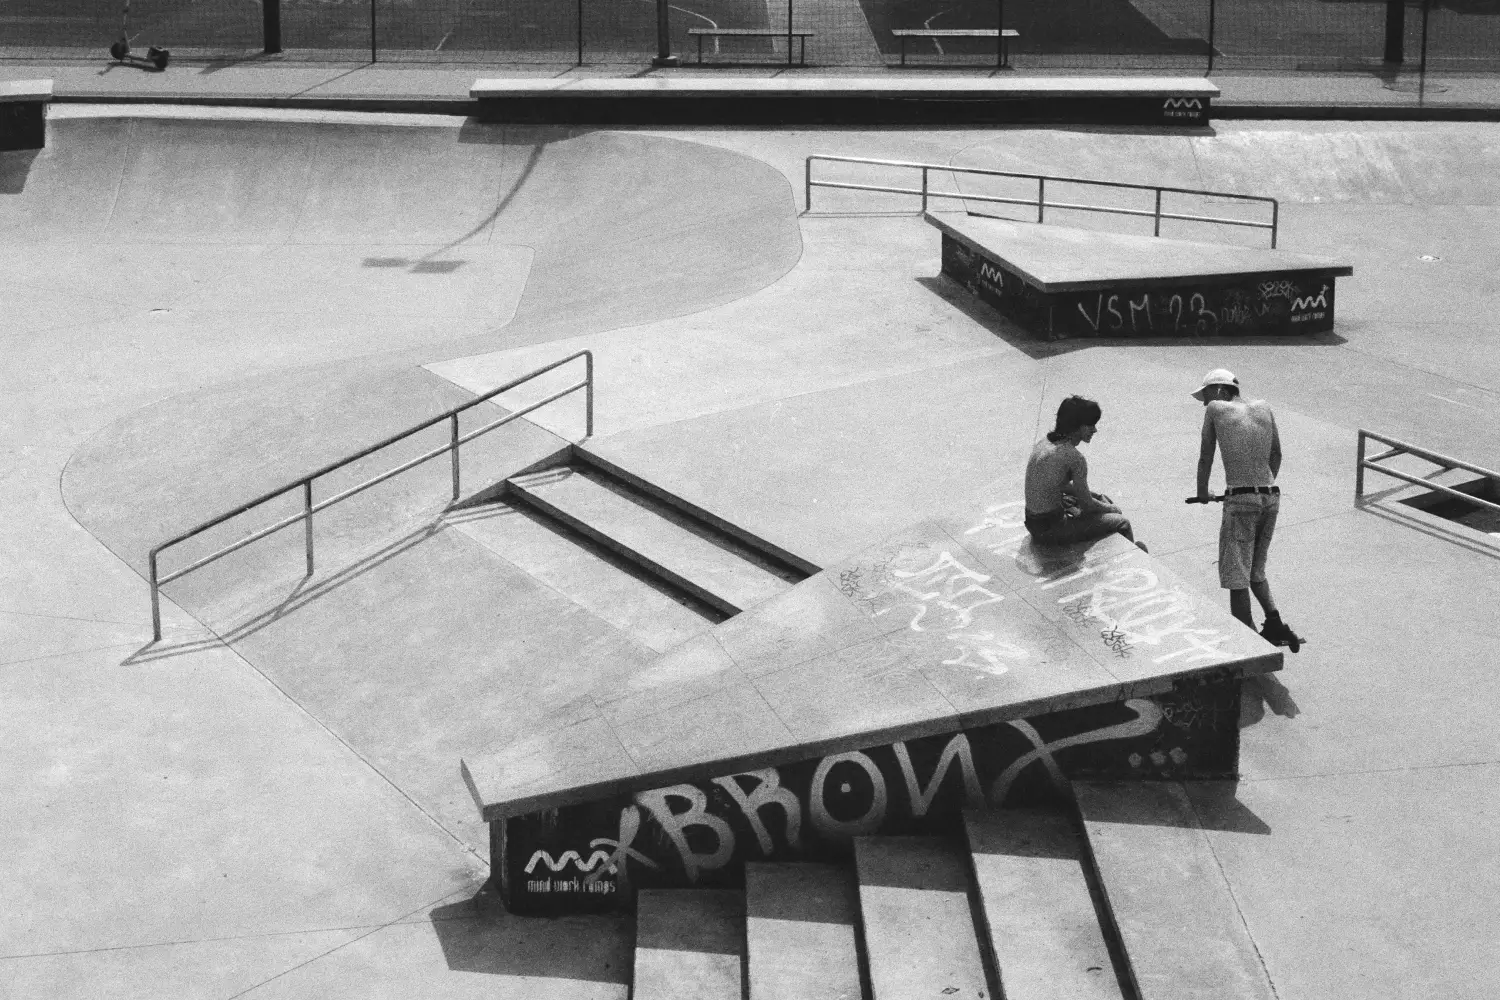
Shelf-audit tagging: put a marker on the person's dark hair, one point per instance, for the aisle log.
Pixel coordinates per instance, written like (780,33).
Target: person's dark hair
(1228,391)
(1075,412)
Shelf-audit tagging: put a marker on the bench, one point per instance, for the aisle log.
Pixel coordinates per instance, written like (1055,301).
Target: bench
(801,36)
(23,113)
(1002,56)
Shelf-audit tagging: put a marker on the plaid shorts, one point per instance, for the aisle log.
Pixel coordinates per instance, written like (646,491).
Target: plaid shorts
(1245,538)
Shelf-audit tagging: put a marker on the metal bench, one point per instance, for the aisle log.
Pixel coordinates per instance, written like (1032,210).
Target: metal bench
(801,36)
(1002,53)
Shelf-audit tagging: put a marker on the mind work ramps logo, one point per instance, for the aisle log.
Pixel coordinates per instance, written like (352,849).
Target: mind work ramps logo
(1179,109)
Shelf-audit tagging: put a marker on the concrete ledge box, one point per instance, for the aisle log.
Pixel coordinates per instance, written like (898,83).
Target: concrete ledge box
(23,114)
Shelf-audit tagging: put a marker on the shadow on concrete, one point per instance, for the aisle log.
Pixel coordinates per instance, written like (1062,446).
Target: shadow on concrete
(15,167)
(590,948)
(1037,346)
(296,596)
(1261,692)
(1469,539)
(1218,808)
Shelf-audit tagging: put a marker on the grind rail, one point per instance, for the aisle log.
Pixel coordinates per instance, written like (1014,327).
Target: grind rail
(1446,464)
(306,482)
(1040,202)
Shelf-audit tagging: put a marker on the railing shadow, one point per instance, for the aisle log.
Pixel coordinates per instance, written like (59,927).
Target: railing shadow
(585,949)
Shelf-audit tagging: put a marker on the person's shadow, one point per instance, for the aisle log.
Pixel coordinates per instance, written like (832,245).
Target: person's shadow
(1261,692)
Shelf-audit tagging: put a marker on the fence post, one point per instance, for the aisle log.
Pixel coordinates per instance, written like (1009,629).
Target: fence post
(372,31)
(1041,197)
(270,23)
(307,522)
(1211,12)
(580,32)
(454,447)
(807,182)
(1422,66)
(1157,230)
(1359,468)
(664,56)
(788,32)
(1275,218)
(924,190)
(1395,31)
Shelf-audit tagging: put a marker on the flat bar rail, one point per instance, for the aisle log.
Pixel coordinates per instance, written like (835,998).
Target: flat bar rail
(1446,462)
(1040,202)
(305,483)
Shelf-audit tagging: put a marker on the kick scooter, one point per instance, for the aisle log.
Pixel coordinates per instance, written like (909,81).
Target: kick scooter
(120,50)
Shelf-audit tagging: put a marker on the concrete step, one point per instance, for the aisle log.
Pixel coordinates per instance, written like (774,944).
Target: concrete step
(801,932)
(1036,906)
(689,944)
(920,939)
(1182,934)
(596,579)
(681,552)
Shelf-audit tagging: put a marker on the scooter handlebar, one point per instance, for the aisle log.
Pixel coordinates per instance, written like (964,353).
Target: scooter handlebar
(1209,500)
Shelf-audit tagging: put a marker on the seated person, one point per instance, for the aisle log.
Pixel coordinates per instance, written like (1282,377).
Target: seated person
(1060,508)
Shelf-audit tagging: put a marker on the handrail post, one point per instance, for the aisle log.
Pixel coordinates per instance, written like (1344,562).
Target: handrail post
(1157,231)
(924,190)
(807,184)
(1041,197)
(155,601)
(1275,216)
(454,446)
(1359,468)
(588,394)
(307,522)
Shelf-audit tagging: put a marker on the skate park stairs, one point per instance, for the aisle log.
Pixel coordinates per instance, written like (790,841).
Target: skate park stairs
(1113,896)
(1061,282)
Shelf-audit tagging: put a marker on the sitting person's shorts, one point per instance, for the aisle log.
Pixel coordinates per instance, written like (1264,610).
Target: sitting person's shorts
(1245,538)
(1069,524)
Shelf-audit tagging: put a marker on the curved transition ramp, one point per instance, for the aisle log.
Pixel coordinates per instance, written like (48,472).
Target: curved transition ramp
(954,665)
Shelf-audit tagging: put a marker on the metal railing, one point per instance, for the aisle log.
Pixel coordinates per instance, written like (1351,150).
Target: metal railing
(1446,464)
(306,482)
(1040,202)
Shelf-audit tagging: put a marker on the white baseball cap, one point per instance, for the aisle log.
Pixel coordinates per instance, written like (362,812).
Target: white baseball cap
(1219,376)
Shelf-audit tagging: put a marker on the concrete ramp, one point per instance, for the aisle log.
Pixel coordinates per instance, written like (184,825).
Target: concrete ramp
(954,665)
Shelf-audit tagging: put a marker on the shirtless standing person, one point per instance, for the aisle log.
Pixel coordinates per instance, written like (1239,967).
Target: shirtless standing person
(1244,432)
(1060,509)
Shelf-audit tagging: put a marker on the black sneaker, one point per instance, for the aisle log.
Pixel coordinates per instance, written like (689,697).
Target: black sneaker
(1278,633)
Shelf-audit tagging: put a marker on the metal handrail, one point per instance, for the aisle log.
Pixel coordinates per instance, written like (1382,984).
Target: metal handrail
(305,482)
(1040,201)
(1402,448)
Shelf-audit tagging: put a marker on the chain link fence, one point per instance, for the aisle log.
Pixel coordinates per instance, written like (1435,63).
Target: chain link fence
(1156,35)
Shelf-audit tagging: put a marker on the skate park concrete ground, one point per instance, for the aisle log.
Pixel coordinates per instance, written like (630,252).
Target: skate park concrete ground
(207,303)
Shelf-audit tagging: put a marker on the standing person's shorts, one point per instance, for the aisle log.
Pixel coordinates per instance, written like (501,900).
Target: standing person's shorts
(1245,538)
(1069,524)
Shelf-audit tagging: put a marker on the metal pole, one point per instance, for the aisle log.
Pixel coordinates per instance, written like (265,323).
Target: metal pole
(1275,217)
(580,32)
(1041,197)
(1157,231)
(999,33)
(1422,66)
(307,522)
(372,31)
(454,446)
(924,190)
(1211,10)
(1395,31)
(1359,468)
(155,602)
(788,32)
(588,360)
(807,182)
(664,55)
(270,23)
